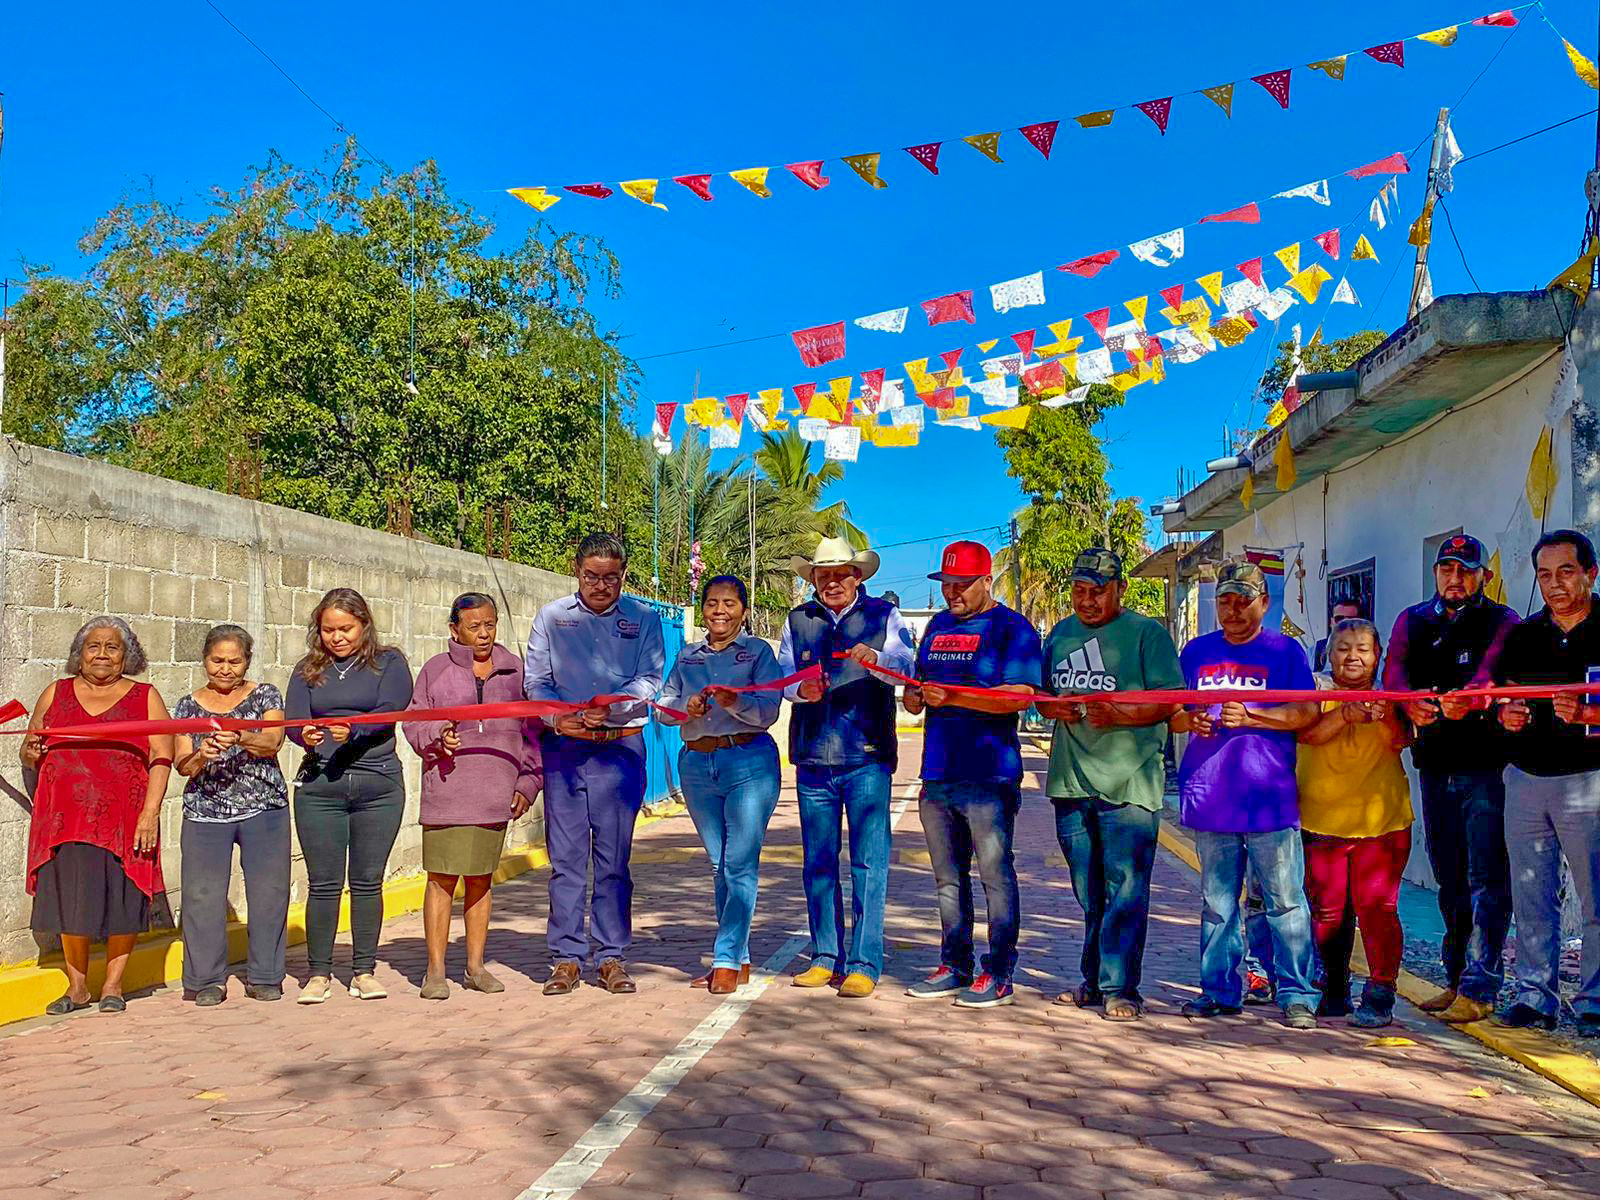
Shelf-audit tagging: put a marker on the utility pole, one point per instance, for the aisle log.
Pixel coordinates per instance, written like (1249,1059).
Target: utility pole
(1419,272)
(1016,568)
(752,490)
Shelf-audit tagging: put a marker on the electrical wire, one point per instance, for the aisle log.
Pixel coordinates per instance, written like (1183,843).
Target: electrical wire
(1451,226)
(1480,153)
(934,537)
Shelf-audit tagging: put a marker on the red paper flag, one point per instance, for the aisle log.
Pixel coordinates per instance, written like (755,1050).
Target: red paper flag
(941,398)
(1150,345)
(1042,135)
(1389,52)
(700,185)
(941,310)
(848,415)
(736,405)
(1024,341)
(1044,375)
(809,173)
(1277,83)
(1247,214)
(598,190)
(664,415)
(1100,318)
(1503,18)
(1329,242)
(950,358)
(820,344)
(1173,295)
(803,393)
(1252,271)
(926,154)
(1158,111)
(1092,265)
(1395,164)
(872,382)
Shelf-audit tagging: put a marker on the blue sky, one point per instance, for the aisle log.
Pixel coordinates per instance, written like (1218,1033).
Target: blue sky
(505,94)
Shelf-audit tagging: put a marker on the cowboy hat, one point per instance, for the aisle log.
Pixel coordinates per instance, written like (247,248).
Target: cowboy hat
(835,552)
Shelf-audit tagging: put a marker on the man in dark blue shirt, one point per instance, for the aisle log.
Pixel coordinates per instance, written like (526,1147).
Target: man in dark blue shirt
(972,770)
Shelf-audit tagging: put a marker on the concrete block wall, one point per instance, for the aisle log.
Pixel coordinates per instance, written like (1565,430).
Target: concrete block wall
(82,538)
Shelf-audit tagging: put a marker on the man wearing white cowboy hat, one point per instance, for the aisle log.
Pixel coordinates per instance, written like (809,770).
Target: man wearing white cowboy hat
(842,743)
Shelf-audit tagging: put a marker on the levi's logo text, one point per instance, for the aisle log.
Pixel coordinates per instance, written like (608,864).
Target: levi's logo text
(1231,677)
(1083,670)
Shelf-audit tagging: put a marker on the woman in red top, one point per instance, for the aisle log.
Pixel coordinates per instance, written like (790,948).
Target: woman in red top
(93,858)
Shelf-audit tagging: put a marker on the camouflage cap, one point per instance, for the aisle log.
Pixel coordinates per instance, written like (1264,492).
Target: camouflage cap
(1242,578)
(1096,565)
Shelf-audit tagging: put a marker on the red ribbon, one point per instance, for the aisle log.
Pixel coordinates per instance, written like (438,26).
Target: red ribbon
(463,712)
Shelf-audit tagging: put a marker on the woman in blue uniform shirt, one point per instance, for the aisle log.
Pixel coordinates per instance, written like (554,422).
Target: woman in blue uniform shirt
(729,764)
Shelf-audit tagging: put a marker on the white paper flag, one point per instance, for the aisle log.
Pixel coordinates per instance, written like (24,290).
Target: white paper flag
(1242,294)
(1447,163)
(1375,214)
(1277,303)
(1094,366)
(890,321)
(813,429)
(1345,294)
(1317,191)
(1018,293)
(1160,251)
(725,437)
(908,416)
(993,392)
(961,423)
(1188,353)
(892,395)
(1076,396)
(662,442)
(842,443)
(1002,364)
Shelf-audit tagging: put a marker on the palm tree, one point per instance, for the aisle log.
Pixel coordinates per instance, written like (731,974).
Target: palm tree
(785,459)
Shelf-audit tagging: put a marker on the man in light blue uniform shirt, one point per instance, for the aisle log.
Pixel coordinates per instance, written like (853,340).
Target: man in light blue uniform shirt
(596,642)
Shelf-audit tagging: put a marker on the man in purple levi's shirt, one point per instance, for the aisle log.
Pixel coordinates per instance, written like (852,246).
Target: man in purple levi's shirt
(1238,794)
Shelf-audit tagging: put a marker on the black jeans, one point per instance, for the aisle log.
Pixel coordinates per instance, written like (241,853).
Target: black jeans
(353,818)
(263,842)
(1464,816)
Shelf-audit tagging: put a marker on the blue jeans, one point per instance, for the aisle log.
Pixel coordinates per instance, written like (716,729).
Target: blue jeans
(731,793)
(1278,861)
(1547,817)
(1110,851)
(962,821)
(859,795)
(1464,818)
(592,795)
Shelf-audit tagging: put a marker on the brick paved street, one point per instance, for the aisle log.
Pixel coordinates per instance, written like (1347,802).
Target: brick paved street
(806,1095)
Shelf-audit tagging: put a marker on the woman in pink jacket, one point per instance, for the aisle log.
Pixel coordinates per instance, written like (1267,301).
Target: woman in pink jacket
(476,777)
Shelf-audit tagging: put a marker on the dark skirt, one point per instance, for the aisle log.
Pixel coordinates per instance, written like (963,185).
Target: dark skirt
(84,892)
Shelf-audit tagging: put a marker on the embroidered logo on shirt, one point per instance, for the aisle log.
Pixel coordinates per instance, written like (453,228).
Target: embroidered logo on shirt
(1084,670)
(743,656)
(626,628)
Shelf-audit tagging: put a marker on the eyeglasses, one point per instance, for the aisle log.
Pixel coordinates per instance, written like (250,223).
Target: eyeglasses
(593,580)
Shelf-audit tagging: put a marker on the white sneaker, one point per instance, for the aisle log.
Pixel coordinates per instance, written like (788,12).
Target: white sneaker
(316,991)
(367,987)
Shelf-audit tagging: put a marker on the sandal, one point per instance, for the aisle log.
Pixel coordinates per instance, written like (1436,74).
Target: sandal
(66,1004)
(1120,1008)
(112,1004)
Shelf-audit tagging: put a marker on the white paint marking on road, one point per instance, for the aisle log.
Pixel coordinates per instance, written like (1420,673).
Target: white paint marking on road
(574,1168)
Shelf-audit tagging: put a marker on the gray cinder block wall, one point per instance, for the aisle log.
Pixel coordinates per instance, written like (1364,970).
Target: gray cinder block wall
(82,538)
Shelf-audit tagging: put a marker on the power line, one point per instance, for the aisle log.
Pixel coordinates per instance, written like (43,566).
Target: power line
(1451,226)
(939,537)
(1526,136)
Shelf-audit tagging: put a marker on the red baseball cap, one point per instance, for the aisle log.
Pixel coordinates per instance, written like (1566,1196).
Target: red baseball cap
(964,562)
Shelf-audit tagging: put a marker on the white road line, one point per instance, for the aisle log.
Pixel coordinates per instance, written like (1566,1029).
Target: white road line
(589,1153)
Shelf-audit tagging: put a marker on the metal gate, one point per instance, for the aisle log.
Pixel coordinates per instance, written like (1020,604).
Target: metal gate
(662,742)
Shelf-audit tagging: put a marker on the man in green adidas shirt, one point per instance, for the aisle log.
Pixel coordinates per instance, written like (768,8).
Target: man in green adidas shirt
(1107,773)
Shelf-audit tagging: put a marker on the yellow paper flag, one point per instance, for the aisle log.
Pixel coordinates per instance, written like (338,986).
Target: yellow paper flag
(702,411)
(644,191)
(1009,418)
(1494,584)
(1289,256)
(839,389)
(1221,96)
(1194,312)
(1060,329)
(1585,69)
(822,406)
(1541,479)
(1333,68)
(1441,37)
(1422,228)
(985,347)
(1277,415)
(1309,282)
(986,144)
(1095,119)
(1212,286)
(1230,331)
(1137,307)
(1247,494)
(1283,459)
(535,197)
(866,166)
(917,368)
(1363,250)
(772,400)
(891,436)
(1580,274)
(754,178)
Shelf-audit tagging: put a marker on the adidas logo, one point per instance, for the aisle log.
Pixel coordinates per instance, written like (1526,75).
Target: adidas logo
(1084,671)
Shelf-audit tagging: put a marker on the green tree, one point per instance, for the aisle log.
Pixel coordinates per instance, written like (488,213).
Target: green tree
(1315,357)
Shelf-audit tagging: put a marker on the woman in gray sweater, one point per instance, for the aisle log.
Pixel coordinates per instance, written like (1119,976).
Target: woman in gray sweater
(349,794)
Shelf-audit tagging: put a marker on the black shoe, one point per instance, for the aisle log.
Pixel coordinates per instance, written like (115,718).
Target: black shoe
(1377,1007)
(1589,1025)
(1299,1016)
(1207,1007)
(113,1004)
(65,1005)
(264,991)
(1525,1016)
(210,997)
(1335,1006)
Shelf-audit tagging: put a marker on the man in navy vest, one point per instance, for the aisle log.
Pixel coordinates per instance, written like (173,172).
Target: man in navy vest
(842,744)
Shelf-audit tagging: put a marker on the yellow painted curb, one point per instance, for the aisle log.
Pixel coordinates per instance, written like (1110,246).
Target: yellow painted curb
(158,958)
(1533,1048)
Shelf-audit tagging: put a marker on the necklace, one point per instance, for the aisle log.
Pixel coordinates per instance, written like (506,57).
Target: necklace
(344,671)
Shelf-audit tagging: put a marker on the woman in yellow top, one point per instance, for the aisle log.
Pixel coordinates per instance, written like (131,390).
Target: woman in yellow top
(1355,811)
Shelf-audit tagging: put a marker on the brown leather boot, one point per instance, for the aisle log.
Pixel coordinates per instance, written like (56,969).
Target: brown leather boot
(724,981)
(614,977)
(700,981)
(563,979)
(1440,1002)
